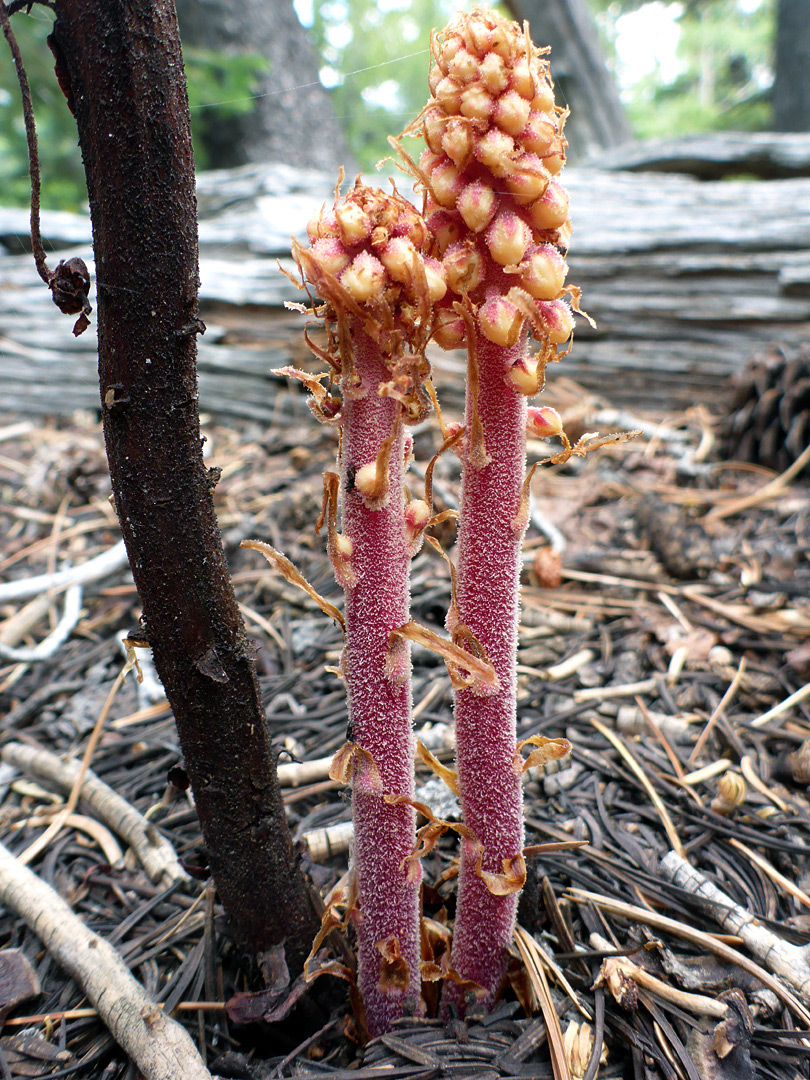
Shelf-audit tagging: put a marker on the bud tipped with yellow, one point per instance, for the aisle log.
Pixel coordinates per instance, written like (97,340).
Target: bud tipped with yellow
(542,423)
(477,204)
(500,321)
(542,273)
(364,278)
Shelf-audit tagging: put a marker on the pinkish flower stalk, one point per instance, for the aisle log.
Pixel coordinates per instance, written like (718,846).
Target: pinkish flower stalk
(500,222)
(364,262)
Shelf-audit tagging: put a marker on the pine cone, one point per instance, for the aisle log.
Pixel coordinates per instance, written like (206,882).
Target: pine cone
(769,416)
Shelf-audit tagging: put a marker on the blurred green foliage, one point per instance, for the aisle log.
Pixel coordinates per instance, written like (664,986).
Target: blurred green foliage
(375,57)
(724,60)
(216,84)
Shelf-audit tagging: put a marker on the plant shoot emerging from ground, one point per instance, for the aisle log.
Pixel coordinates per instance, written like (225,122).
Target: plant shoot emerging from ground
(365,263)
(499,219)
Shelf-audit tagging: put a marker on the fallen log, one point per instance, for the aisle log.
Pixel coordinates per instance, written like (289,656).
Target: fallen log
(686,281)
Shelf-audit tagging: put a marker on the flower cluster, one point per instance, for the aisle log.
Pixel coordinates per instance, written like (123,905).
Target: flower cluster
(498,214)
(366,262)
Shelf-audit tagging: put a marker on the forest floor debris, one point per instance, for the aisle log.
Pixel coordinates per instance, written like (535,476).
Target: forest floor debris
(667,636)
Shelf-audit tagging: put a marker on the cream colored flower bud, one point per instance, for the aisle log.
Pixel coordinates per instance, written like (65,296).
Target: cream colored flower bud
(398,257)
(452,44)
(457,141)
(417,515)
(435,76)
(528,179)
(540,135)
(434,275)
(507,238)
(448,329)
(522,80)
(542,274)
(524,375)
(445,184)
(435,123)
(493,73)
(554,161)
(463,66)
(511,113)
(479,33)
(330,255)
(550,211)
(477,204)
(448,95)
(463,267)
(543,100)
(542,423)
(364,278)
(353,222)
(500,321)
(445,229)
(323,224)
(476,103)
(365,480)
(343,546)
(558,319)
(496,150)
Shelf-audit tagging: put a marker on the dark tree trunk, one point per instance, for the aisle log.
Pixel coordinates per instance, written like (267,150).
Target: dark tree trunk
(597,120)
(119,64)
(297,126)
(791,88)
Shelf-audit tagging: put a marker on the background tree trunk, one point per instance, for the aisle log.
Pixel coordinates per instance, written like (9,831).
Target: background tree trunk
(119,64)
(296,126)
(597,120)
(791,88)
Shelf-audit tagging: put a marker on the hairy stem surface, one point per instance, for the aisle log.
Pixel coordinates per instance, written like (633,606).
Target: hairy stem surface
(488,602)
(379,703)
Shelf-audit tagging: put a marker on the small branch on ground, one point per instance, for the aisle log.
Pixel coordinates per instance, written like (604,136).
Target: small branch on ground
(155,853)
(159,1046)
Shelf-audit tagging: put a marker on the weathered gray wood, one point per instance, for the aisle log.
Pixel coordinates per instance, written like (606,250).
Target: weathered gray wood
(768,154)
(686,280)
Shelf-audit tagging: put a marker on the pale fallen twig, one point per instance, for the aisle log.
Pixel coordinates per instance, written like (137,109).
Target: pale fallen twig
(101,566)
(155,853)
(625,968)
(159,1046)
(57,637)
(788,961)
(634,913)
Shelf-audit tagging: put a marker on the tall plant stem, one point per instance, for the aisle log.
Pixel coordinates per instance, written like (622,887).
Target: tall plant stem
(120,66)
(379,699)
(488,603)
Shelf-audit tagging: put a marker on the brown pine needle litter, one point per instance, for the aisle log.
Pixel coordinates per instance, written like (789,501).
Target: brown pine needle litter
(632,650)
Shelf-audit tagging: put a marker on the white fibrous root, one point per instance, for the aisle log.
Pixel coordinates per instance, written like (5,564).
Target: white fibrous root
(494,206)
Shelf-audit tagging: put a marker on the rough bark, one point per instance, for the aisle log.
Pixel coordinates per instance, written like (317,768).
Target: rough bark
(119,63)
(296,125)
(597,120)
(791,88)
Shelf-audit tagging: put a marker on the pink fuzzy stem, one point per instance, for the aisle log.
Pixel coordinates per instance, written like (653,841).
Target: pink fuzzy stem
(488,602)
(379,706)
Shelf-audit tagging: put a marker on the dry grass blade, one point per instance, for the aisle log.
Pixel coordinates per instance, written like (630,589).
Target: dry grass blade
(718,712)
(697,937)
(769,491)
(534,960)
(639,773)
